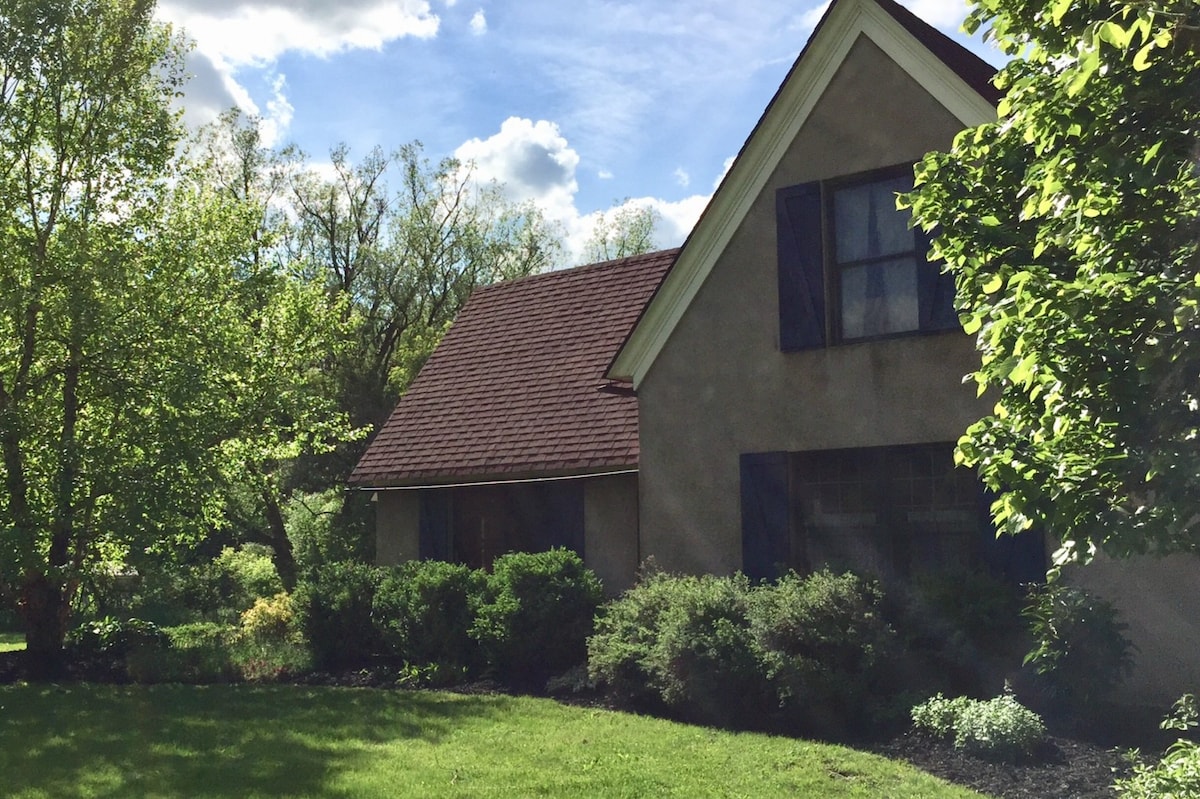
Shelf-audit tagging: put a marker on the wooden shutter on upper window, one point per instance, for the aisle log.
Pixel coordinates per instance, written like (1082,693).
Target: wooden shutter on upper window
(935,289)
(766,516)
(801,267)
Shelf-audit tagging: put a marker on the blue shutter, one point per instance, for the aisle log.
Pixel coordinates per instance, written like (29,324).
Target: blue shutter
(801,267)
(1015,559)
(766,528)
(561,510)
(434,523)
(935,289)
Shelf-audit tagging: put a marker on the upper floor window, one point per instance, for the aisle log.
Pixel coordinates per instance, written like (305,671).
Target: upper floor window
(875,255)
(844,246)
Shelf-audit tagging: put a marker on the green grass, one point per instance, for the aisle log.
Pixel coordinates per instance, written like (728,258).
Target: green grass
(11,641)
(287,741)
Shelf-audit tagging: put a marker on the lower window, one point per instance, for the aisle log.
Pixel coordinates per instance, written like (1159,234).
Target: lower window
(892,512)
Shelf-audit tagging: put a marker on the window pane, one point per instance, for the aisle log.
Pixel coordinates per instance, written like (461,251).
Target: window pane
(880,298)
(866,222)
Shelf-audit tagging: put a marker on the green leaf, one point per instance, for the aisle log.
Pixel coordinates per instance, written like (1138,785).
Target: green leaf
(1141,61)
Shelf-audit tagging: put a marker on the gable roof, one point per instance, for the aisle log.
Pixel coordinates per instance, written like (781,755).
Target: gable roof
(514,388)
(954,76)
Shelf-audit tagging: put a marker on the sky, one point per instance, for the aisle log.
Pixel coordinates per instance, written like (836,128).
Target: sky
(575,105)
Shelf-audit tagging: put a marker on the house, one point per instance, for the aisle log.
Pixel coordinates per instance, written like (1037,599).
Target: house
(795,375)
(511,438)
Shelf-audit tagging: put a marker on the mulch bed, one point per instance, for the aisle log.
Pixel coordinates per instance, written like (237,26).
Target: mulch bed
(1063,768)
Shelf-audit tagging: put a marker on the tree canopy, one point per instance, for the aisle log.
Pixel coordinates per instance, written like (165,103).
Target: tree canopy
(145,355)
(1071,225)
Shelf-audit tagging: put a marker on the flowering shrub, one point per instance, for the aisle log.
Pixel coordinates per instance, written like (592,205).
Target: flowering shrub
(1000,727)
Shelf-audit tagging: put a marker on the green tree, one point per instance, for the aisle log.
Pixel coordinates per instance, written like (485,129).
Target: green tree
(406,259)
(1071,227)
(624,230)
(286,400)
(144,359)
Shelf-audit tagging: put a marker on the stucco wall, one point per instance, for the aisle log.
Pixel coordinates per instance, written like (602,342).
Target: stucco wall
(610,508)
(397,530)
(721,387)
(1158,600)
(610,529)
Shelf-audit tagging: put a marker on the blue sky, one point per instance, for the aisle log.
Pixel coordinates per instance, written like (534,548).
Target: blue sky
(573,104)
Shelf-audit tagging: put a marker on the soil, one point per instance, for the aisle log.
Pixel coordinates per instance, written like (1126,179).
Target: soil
(1064,767)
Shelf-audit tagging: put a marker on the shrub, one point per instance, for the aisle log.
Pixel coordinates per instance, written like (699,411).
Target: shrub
(270,621)
(704,663)
(626,631)
(939,716)
(961,632)
(999,727)
(1080,651)
(334,612)
(1177,774)
(244,575)
(826,648)
(536,616)
(115,638)
(811,652)
(105,646)
(199,652)
(424,611)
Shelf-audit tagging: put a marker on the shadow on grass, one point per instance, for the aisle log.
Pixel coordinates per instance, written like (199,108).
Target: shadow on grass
(215,741)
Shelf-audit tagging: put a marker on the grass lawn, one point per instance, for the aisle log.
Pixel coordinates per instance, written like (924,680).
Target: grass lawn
(11,641)
(290,741)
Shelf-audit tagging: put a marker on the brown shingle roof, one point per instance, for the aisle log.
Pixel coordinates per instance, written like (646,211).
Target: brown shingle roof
(513,390)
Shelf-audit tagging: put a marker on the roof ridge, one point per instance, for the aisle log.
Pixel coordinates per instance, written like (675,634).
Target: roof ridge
(670,252)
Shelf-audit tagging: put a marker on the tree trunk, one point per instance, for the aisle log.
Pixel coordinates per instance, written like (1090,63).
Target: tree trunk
(43,609)
(277,538)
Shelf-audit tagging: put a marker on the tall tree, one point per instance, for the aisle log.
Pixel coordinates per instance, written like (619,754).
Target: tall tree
(405,241)
(1071,225)
(296,331)
(142,358)
(625,230)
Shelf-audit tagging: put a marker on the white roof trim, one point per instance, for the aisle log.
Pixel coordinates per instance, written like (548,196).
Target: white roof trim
(847,20)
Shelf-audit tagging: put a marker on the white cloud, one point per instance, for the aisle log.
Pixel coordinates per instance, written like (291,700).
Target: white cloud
(229,34)
(479,23)
(945,14)
(278,115)
(532,160)
(809,19)
(605,174)
(239,32)
(681,176)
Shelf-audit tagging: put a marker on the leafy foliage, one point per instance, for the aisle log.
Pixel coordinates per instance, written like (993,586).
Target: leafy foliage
(827,649)
(626,230)
(147,358)
(1001,727)
(1080,650)
(1177,774)
(1070,225)
(626,631)
(424,611)
(808,653)
(960,631)
(334,609)
(536,615)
